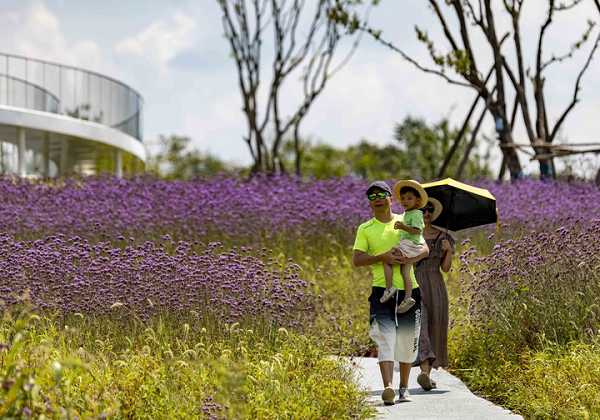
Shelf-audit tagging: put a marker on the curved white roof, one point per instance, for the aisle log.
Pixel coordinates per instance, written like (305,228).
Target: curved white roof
(62,126)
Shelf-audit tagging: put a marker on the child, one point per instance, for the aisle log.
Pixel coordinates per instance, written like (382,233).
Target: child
(412,197)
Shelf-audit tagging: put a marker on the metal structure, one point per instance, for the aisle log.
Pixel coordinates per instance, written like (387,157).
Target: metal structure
(58,119)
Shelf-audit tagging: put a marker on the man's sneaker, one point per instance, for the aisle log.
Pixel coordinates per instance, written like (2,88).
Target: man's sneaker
(388,396)
(388,294)
(404,395)
(425,382)
(405,305)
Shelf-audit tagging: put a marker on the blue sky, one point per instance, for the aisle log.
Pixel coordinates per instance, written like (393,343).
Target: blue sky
(174,54)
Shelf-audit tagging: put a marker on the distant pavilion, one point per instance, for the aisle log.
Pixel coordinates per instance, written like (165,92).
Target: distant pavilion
(57,119)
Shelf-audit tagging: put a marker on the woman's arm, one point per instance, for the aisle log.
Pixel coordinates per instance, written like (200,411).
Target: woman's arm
(446,263)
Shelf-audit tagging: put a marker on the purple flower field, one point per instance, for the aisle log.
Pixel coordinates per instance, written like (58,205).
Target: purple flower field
(232,209)
(192,281)
(109,246)
(247,213)
(543,205)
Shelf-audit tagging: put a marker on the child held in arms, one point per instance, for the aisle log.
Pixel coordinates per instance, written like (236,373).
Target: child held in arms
(412,197)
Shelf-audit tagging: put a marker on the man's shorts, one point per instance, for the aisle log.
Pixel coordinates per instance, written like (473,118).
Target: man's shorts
(398,343)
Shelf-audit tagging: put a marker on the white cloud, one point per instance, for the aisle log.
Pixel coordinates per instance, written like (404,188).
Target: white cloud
(161,42)
(37,33)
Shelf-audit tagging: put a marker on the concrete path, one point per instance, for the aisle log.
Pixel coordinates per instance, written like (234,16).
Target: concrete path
(452,400)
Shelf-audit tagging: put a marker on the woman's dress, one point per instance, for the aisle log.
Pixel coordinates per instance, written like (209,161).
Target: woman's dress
(433,341)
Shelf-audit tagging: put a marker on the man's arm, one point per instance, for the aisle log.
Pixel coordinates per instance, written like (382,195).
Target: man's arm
(362,259)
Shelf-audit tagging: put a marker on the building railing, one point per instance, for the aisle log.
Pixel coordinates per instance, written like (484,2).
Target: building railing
(20,93)
(49,87)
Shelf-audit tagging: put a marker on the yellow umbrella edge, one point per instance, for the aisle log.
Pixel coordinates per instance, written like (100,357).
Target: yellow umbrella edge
(456,184)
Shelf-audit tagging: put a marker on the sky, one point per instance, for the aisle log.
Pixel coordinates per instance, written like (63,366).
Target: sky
(174,54)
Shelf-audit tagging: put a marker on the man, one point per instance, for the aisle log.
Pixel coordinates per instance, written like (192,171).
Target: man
(396,335)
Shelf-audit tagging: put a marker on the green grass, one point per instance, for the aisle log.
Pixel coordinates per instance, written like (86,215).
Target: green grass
(170,367)
(159,371)
(526,325)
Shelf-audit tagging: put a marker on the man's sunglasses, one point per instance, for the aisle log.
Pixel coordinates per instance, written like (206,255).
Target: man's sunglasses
(373,196)
(430,209)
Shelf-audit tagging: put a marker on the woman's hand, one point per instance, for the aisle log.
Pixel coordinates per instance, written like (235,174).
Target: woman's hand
(446,245)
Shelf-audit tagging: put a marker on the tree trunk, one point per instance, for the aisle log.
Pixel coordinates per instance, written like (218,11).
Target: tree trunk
(510,155)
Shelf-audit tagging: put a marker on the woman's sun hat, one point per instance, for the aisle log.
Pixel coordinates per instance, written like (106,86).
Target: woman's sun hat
(412,184)
(437,208)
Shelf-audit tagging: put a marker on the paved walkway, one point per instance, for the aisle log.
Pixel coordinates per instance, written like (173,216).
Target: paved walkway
(452,400)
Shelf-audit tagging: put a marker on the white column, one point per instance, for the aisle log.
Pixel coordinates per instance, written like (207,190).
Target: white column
(119,163)
(21,151)
(64,156)
(46,155)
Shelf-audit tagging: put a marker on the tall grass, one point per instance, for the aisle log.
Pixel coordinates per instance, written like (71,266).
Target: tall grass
(527,322)
(224,297)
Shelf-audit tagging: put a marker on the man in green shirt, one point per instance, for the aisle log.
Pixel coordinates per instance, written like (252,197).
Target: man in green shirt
(396,335)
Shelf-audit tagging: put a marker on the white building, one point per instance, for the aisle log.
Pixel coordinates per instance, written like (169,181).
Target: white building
(57,119)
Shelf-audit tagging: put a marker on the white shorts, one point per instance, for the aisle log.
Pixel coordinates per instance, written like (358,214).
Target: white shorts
(409,249)
(400,343)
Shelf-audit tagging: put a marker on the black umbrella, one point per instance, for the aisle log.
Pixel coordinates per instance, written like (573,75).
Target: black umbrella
(464,206)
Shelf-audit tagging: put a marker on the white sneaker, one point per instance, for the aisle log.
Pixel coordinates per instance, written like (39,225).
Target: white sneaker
(425,382)
(405,305)
(404,395)
(388,294)
(388,396)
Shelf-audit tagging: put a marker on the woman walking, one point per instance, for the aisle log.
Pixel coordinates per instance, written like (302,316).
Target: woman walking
(433,340)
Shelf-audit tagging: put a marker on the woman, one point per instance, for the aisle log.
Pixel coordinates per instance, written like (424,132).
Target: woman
(433,341)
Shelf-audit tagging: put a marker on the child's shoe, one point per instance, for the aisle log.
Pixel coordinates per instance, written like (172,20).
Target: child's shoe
(388,294)
(405,305)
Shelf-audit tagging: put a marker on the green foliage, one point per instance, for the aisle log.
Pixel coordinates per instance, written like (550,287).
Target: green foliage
(373,162)
(525,323)
(425,148)
(52,370)
(455,59)
(176,160)
(320,160)
(422,149)
(293,378)
(82,112)
(556,381)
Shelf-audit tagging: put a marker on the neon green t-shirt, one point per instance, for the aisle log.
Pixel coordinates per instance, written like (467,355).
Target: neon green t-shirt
(374,238)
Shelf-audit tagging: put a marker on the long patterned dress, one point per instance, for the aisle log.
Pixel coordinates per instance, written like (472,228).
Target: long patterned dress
(433,341)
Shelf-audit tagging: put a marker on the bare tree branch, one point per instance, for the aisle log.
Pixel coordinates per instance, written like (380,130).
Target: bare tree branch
(575,99)
(408,58)
(303,44)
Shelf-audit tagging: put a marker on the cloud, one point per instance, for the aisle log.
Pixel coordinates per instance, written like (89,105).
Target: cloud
(37,33)
(161,42)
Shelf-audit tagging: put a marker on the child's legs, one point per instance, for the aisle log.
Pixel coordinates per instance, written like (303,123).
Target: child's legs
(388,273)
(405,269)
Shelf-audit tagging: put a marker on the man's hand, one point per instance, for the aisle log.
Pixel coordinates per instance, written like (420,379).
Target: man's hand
(424,253)
(393,257)
(362,259)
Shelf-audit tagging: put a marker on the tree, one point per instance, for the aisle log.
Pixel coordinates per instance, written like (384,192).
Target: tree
(425,146)
(175,160)
(303,45)
(418,151)
(319,160)
(374,162)
(512,77)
